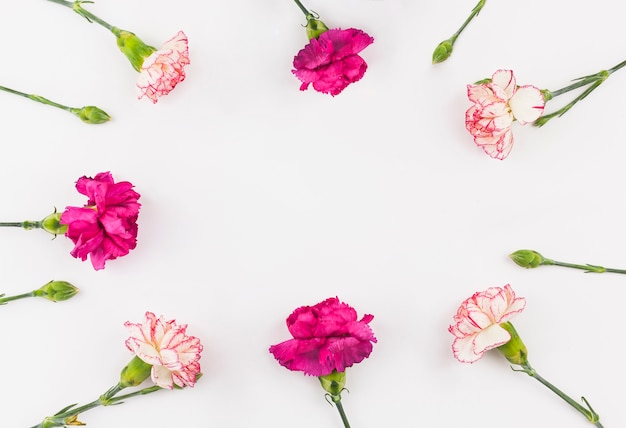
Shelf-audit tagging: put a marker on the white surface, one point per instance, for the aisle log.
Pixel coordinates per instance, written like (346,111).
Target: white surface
(258,198)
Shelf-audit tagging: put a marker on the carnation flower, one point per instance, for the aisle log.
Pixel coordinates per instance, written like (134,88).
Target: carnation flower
(482,323)
(160,70)
(106,226)
(163,351)
(477,322)
(163,69)
(330,60)
(326,337)
(166,346)
(497,103)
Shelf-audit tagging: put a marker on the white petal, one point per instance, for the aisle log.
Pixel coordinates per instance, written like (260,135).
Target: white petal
(505,80)
(490,338)
(527,104)
(463,349)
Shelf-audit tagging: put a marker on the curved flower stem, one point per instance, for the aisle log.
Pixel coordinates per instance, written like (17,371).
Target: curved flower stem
(588,411)
(474,12)
(37,98)
(76,7)
(344,418)
(594,80)
(88,114)
(69,414)
(300,5)
(4,300)
(444,49)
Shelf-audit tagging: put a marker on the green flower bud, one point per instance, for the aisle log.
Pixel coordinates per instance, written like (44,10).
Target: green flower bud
(134,373)
(56,291)
(133,47)
(92,115)
(514,350)
(442,51)
(334,383)
(314,27)
(52,224)
(527,258)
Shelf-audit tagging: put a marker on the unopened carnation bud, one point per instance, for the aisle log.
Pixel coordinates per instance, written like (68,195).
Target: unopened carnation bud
(314,27)
(56,291)
(514,350)
(333,383)
(134,373)
(91,115)
(133,47)
(442,51)
(527,258)
(52,224)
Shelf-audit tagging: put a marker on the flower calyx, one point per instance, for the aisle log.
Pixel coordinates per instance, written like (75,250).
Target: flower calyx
(132,47)
(91,114)
(514,350)
(443,51)
(52,224)
(529,259)
(314,27)
(334,384)
(56,291)
(135,373)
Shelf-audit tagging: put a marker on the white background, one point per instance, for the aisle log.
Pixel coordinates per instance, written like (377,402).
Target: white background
(258,198)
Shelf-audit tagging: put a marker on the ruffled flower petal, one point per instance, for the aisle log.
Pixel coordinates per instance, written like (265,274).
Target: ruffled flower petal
(505,80)
(164,68)
(165,345)
(527,104)
(327,337)
(331,62)
(477,322)
(106,227)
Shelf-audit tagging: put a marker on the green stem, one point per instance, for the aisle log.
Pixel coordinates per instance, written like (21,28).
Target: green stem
(588,411)
(76,7)
(143,391)
(344,418)
(26,224)
(474,12)
(37,98)
(587,268)
(594,80)
(4,300)
(303,9)
(60,419)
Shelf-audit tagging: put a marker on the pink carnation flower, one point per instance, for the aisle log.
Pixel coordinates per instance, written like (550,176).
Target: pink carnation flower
(164,69)
(106,227)
(166,347)
(476,325)
(330,62)
(496,105)
(327,337)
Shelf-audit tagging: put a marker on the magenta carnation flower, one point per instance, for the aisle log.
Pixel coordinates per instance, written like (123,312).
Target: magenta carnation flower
(331,61)
(106,227)
(326,337)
